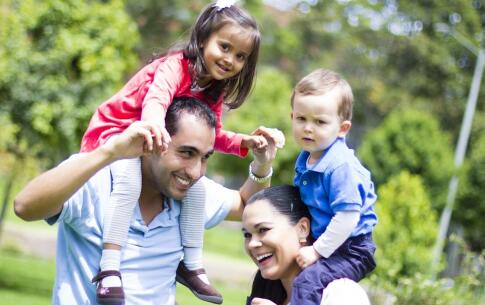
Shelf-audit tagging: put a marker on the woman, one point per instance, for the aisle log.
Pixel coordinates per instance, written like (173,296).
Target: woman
(276,224)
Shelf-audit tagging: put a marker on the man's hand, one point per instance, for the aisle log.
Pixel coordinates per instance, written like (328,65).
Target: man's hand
(307,256)
(133,142)
(260,301)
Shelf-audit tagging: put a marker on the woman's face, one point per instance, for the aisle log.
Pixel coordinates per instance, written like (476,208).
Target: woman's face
(271,240)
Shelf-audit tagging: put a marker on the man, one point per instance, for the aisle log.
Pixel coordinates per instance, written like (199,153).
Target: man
(73,194)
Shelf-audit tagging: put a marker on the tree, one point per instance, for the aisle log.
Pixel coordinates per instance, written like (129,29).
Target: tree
(59,60)
(411,140)
(268,105)
(406,230)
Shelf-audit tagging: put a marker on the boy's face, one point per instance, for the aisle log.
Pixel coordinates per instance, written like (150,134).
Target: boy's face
(316,123)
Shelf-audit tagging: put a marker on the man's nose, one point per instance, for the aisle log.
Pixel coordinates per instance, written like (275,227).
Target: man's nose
(196,169)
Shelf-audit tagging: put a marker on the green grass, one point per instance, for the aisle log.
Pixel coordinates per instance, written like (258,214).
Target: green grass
(232,295)
(15,297)
(225,240)
(28,280)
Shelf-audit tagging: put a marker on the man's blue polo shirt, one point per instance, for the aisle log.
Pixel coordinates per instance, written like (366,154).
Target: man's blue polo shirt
(151,255)
(337,182)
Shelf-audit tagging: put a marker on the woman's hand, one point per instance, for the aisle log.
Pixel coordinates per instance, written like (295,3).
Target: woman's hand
(259,301)
(307,256)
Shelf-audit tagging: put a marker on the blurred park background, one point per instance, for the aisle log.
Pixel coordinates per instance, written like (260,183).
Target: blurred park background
(411,65)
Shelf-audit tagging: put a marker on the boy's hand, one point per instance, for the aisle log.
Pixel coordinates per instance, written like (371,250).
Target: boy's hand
(307,256)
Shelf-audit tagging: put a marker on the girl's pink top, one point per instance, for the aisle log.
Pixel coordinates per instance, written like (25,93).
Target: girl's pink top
(158,82)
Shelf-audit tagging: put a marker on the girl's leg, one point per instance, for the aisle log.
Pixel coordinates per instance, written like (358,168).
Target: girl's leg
(191,272)
(126,175)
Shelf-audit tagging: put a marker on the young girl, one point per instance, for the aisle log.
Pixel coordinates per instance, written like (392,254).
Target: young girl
(217,66)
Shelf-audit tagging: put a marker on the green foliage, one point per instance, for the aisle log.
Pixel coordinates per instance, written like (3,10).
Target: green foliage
(470,206)
(268,105)
(59,60)
(406,230)
(410,140)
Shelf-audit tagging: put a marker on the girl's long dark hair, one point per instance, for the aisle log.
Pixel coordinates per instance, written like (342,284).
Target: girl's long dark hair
(238,87)
(287,201)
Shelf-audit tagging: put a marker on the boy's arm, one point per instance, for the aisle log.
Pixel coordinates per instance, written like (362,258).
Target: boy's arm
(45,195)
(337,232)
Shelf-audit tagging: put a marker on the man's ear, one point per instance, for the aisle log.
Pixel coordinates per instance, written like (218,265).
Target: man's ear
(344,128)
(291,115)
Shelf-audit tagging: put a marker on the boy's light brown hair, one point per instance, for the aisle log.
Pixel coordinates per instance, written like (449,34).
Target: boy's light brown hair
(322,81)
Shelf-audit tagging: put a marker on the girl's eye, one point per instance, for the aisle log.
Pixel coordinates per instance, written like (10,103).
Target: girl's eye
(246,235)
(241,57)
(263,230)
(320,122)
(224,46)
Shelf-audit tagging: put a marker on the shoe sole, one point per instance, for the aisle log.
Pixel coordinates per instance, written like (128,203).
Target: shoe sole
(203,297)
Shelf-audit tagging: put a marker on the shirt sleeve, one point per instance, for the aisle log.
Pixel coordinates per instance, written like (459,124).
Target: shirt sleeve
(345,189)
(80,204)
(218,203)
(337,232)
(227,142)
(166,82)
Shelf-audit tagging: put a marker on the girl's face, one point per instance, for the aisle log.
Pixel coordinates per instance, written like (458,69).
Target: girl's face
(272,241)
(226,51)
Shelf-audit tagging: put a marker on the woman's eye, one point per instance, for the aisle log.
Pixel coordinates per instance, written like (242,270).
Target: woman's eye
(263,230)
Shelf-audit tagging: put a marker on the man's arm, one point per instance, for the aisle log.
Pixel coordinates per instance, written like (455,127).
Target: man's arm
(45,195)
(260,167)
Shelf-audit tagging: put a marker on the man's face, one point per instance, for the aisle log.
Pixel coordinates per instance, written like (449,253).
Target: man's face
(172,173)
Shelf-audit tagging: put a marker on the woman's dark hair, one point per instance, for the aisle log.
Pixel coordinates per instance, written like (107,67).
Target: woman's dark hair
(286,200)
(212,18)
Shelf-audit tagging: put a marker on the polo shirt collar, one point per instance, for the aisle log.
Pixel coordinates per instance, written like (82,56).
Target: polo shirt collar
(325,159)
(163,219)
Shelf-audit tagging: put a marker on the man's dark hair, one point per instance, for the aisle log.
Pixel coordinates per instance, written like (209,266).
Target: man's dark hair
(188,105)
